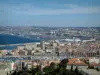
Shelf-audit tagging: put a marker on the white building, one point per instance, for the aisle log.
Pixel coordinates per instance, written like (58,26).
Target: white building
(94,60)
(20,47)
(89,40)
(13,66)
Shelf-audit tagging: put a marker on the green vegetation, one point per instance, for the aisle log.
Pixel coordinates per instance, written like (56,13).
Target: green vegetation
(72,67)
(97,69)
(53,69)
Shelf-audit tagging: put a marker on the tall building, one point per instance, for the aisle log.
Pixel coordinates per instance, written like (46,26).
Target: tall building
(42,45)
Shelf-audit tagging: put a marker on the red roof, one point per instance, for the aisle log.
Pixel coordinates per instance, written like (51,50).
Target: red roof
(76,61)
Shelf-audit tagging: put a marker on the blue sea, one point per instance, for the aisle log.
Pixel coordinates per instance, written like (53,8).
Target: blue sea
(10,39)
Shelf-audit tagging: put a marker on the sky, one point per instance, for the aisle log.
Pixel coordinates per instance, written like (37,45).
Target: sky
(51,13)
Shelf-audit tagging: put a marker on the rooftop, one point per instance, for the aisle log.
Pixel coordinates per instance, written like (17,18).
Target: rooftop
(76,61)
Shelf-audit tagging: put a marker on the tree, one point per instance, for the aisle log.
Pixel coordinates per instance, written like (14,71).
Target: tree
(63,63)
(97,69)
(71,67)
(76,70)
(53,69)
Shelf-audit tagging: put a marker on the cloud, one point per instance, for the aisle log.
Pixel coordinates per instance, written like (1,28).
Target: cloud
(71,5)
(28,9)
(79,10)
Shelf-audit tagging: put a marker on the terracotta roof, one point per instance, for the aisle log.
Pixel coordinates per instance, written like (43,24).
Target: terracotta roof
(76,61)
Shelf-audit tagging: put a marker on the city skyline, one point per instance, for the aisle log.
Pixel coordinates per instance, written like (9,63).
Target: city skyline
(51,13)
